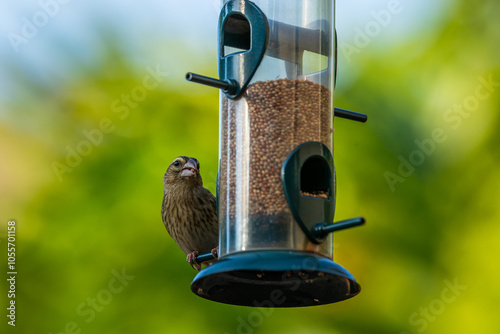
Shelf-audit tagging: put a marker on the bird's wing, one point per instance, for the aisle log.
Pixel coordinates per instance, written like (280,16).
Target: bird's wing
(164,214)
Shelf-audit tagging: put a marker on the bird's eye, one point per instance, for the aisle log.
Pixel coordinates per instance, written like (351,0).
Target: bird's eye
(177,163)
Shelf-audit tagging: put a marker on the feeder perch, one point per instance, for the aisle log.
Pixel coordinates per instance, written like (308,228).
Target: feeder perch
(276,188)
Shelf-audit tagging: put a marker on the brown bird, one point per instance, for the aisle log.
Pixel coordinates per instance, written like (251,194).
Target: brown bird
(189,211)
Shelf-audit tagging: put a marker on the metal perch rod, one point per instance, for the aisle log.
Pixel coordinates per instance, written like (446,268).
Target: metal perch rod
(322,229)
(205,257)
(207,81)
(351,115)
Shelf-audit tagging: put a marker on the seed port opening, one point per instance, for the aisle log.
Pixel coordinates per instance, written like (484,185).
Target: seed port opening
(237,34)
(315,177)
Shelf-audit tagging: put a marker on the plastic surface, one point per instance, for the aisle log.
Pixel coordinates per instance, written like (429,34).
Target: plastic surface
(287,102)
(309,169)
(275,279)
(241,25)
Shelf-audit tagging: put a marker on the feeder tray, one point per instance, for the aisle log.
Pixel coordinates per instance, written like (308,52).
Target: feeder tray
(275,279)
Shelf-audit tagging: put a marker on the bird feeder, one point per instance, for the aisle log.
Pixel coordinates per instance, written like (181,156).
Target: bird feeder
(276,182)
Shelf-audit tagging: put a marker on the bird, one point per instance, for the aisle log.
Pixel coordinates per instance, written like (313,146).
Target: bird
(189,211)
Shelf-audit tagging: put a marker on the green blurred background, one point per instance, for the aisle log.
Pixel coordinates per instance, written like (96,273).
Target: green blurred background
(423,170)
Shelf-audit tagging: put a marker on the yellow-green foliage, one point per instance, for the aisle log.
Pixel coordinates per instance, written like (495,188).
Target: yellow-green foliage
(81,222)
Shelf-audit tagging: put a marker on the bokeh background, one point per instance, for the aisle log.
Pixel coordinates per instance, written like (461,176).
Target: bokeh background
(423,170)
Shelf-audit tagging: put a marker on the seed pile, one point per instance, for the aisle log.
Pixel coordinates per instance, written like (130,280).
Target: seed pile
(268,122)
(319,194)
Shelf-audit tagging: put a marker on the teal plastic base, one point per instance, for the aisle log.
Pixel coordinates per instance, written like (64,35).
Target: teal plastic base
(275,279)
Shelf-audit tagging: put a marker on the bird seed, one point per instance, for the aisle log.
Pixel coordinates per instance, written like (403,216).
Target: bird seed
(259,130)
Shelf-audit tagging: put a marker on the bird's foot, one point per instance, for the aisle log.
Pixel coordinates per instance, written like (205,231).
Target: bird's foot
(215,252)
(191,259)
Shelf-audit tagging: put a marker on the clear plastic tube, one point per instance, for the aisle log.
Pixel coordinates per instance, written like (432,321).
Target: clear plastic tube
(289,101)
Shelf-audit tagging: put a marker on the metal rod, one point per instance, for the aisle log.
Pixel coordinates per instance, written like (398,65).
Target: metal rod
(216,83)
(352,115)
(205,257)
(322,229)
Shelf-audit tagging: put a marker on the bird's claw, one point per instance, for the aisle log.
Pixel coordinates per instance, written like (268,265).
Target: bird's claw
(191,259)
(215,252)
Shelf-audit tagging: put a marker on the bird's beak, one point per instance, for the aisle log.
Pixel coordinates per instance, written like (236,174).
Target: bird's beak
(189,168)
